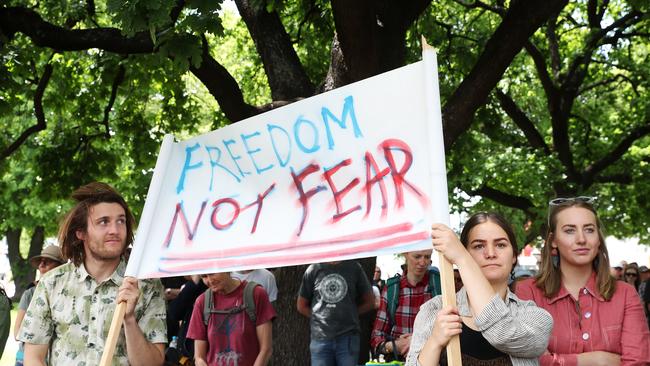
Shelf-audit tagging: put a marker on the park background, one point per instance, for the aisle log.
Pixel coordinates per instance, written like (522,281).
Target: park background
(540,98)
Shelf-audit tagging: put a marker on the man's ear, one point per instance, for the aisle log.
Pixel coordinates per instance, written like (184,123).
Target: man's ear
(80,235)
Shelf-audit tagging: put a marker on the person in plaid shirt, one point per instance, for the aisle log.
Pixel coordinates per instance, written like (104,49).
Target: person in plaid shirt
(394,339)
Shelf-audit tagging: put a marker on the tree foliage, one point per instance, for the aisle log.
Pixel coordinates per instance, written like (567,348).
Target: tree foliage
(540,97)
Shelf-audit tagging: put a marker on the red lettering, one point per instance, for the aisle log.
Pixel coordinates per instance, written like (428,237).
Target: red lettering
(216,224)
(189,234)
(338,195)
(259,201)
(305,196)
(389,146)
(371,164)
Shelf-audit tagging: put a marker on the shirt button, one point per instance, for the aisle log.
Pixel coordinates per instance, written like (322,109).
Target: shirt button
(93,318)
(588,315)
(585,336)
(584,291)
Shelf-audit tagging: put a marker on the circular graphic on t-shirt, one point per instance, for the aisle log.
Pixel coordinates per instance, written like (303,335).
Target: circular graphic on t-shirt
(333,288)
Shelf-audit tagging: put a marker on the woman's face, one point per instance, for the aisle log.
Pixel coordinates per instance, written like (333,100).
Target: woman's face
(576,237)
(490,247)
(418,262)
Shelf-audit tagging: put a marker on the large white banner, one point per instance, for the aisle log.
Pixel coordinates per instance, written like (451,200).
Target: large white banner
(355,172)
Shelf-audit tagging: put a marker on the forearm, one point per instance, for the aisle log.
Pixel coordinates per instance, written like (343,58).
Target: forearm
(479,290)
(263,357)
(35,354)
(430,354)
(140,351)
(20,315)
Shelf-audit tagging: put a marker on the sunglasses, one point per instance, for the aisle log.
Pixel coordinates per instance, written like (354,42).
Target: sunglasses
(564,201)
(630,275)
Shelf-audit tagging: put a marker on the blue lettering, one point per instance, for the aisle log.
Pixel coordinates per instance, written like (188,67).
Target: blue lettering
(234,158)
(271,128)
(296,132)
(348,110)
(187,166)
(250,152)
(215,162)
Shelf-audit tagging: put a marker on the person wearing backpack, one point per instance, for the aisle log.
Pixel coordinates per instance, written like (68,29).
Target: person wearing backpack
(231,323)
(400,302)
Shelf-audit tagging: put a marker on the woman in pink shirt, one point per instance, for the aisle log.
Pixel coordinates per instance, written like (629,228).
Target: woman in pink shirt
(597,320)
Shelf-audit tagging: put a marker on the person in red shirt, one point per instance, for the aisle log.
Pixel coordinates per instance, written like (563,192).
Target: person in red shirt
(597,320)
(231,338)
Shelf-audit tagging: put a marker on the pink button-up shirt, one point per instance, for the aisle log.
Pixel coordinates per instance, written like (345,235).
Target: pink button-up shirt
(592,324)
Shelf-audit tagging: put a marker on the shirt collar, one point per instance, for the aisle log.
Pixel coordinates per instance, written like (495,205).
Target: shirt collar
(404,282)
(116,277)
(590,288)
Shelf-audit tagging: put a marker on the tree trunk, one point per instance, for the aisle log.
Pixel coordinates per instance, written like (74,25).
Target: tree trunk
(23,273)
(291,330)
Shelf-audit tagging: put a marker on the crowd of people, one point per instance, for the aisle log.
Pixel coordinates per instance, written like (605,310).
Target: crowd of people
(577,310)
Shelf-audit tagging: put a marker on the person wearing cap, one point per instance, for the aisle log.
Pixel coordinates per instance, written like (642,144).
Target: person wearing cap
(49,259)
(72,308)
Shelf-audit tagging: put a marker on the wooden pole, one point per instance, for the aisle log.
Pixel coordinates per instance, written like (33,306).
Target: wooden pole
(449,298)
(113,334)
(435,120)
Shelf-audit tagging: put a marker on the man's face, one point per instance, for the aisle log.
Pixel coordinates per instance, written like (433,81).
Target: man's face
(105,236)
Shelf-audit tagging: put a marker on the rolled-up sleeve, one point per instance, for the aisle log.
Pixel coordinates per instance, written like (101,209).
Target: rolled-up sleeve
(520,331)
(422,329)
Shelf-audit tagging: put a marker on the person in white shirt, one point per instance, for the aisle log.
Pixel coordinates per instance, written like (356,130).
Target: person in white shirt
(263,277)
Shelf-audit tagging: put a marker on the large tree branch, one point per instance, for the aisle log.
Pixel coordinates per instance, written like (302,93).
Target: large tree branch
(522,121)
(38,111)
(212,74)
(44,34)
(504,199)
(594,169)
(371,33)
(522,19)
(286,75)
(223,87)
(117,80)
(578,68)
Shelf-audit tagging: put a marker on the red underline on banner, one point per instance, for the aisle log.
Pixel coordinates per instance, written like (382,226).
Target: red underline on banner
(244,250)
(212,264)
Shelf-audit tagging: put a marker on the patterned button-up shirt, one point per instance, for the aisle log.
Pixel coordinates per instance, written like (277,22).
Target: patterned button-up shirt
(73,313)
(409,301)
(516,327)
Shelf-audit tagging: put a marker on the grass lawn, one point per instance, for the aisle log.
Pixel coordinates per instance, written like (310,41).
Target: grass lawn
(9,355)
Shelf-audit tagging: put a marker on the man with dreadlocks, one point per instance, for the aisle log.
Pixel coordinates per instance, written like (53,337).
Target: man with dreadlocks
(73,305)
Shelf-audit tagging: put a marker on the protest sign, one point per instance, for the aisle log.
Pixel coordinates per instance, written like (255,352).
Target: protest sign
(354,172)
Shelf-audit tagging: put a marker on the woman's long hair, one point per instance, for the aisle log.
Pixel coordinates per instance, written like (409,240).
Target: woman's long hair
(77,219)
(549,278)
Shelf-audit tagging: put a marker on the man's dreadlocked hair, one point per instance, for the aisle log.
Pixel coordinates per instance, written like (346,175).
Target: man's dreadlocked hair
(77,219)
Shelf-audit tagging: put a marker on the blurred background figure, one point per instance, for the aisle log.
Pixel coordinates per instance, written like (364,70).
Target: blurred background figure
(631,276)
(5,319)
(50,258)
